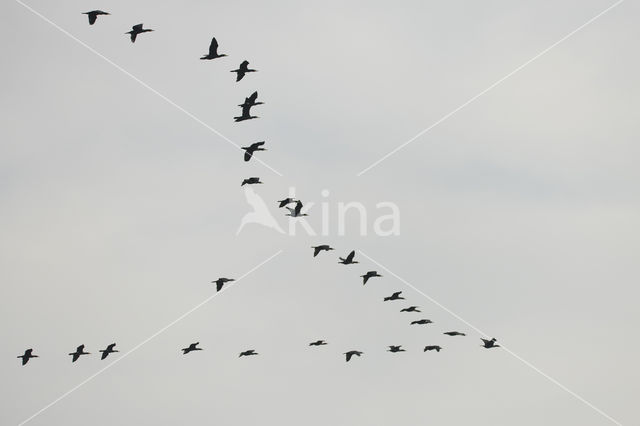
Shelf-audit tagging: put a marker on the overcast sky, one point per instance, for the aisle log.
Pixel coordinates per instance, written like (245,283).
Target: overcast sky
(520,213)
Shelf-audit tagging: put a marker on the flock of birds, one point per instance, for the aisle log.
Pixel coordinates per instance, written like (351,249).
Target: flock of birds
(295,211)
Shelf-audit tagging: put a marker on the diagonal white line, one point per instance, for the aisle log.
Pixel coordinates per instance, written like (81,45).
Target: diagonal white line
(509,351)
(471,100)
(145,341)
(142,83)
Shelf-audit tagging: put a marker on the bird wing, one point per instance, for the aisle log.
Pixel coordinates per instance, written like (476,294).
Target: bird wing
(316,250)
(365,278)
(213,47)
(396,294)
(298,207)
(351,255)
(137,27)
(244,65)
(75,357)
(104,354)
(257,144)
(28,352)
(247,155)
(219,285)
(133,37)
(349,355)
(253,97)
(239,75)
(80,348)
(92,18)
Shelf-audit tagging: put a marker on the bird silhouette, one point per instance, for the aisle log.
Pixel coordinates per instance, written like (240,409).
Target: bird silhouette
(251,149)
(213,51)
(248,353)
(394,296)
(318,343)
(192,347)
(395,349)
(28,354)
(260,214)
(349,259)
(368,275)
(222,281)
(350,354)
(79,351)
(432,348)
(93,15)
(108,350)
(251,181)
(422,322)
(242,70)
(489,343)
(454,333)
(410,309)
(318,249)
(249,102)
(296,211)
(135,30)
(282,203)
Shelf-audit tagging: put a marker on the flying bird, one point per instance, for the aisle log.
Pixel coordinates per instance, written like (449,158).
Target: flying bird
(432,348)
(248,353)
(318,249)
(395,349)
(411,309)
(192,347)
(213,51)
(350,354)
(222,281)
(251,181)
(349,259)
(79,351)
(93,15)
(422,322)
(394,296)
(246,108)
(318,343)
(454,333)
(251,149)
(282,203)
(296,211)
(242,70)
(28,354)
(368,275)
(108,350)
(489,343)
(135,30)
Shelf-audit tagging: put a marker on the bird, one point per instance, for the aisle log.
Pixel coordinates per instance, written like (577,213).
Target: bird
(248,353)
(296,211)
(432,348)
(28,354)
(454,333)
(352,353)
(282,203)
(93,15)
(318,343)
(135,30)
(349,259)
(251,181)
(242,70)
(422,322)
(221,281)
(318,249)
(489,343)
(395,349)
(411,309)
(79,351)
(192,347)
(249,150)
(394,296)
(368,275)
(108,350)
(246,114)
(213,51)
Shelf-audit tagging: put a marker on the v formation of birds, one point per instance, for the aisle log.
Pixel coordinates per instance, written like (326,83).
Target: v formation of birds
(295,211)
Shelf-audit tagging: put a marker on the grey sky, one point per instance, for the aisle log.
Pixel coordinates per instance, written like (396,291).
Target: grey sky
(520,212)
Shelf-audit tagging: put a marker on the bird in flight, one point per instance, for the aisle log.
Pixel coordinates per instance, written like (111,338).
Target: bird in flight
(108,350)
(350,354)
(422,322)
(93,15)
(213,51)
(135,30)
(248,353)
(318,249)
(79,351)
(454,333)
(28,354)
(249,150)
(368,275)
(489,343)
(192,347)
(246,108)
(251,181)
(296,211)
(282,203)
(221,281)
(394,296)
(411,309)
(432,348)
(395,349)
(318,343)
(242,70)
(349,259)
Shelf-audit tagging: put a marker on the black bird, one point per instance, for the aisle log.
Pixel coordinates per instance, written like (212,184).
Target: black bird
(394,296)
(221,281)
(28,354)
(251,181)
(242,70)
(318,249)
(108,350)
(296,211)
(286,201)
(248,353)
(349,259)
(79,351)
(135,30)
(489,343)
(422,322)
(318,343)
(432,348)
(352,353)
(411,309)
(454,333)
(213,51)
(368,275)
(249,150)
(396,349)
(93,15)
(192,347)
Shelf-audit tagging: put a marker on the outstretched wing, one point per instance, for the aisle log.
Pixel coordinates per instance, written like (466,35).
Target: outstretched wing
(213,47)
(219,285)
(349,355)
(316,250)
(253,97)
(351,255)
(257,144)
(92,18)
(137,27)
(396,294)
(247,155)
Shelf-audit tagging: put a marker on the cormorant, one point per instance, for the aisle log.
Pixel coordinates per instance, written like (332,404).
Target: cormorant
(28,354)
(213,50)
(396,349)
(422,322)
(249,150)
(454,333)
(489,343)
(411,309)
(296,211)
(248,353)
(349,259)
(93,15)
(352,353)
(318,343)
(318,249)
(108,350)
(242,70)
(192,347)
(432,348)
(251,181)
(368,275)
(222,281)
(135,30)
(394,296)
(79,351)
